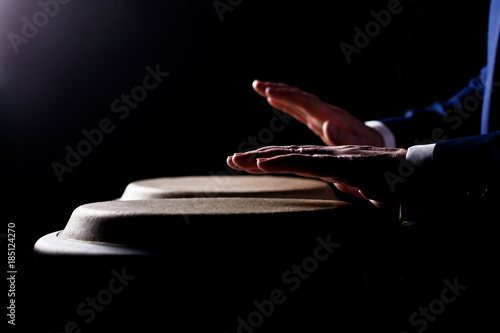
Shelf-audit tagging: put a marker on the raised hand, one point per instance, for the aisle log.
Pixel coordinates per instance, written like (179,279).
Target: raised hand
(332,124)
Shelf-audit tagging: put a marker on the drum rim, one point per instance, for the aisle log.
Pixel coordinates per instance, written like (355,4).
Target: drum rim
(52,245)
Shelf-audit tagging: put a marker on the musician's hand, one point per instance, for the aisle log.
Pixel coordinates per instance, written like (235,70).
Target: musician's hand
(333,125)
(359,170)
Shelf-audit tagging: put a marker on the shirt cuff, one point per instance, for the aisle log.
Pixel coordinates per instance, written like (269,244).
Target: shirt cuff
(420,155)
(385,132)
(417,194)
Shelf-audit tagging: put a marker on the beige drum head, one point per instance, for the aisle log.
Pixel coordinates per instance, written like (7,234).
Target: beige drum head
(228,186)
(161,224)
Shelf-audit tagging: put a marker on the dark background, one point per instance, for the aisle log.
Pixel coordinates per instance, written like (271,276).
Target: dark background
(64,80)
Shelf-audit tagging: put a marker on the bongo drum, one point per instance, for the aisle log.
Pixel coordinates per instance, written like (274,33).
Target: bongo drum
(237,264)
(228,186)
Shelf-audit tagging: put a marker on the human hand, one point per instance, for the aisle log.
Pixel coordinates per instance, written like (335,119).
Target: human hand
(332,124)
(358,170)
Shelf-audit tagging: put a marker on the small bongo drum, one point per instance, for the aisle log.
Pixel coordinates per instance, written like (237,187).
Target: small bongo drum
(228,186)
(232,265)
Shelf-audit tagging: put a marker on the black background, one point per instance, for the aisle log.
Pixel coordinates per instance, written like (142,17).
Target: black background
(64,80)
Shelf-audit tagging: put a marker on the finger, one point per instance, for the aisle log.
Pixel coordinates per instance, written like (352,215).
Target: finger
(261,163)
(254,169)
(260,86)
(248,161)
(305,107)
(271,151)
(289,108)
(334,136)
(284,149)
(230,162)
(330,132)
(349,190)
(311,111)
(318,166)
(297,114)
(291,96)
(390,205)
(248,164)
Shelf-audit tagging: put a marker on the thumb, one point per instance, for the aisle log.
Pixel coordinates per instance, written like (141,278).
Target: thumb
(389,205)
(334,136)
(330,133)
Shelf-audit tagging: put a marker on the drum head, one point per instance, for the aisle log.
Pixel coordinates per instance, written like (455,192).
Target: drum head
(228,186)
(169,225)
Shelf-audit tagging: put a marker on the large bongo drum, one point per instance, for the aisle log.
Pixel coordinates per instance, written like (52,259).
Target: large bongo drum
(228,186)
(228,264)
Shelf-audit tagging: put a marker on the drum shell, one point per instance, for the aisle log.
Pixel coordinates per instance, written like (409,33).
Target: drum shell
(215,274)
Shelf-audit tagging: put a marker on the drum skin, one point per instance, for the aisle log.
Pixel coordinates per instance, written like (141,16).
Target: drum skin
(259,186)
(167,224)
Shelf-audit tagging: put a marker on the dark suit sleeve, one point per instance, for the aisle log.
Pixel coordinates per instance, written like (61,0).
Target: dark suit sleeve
(457,117)
(462,178)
